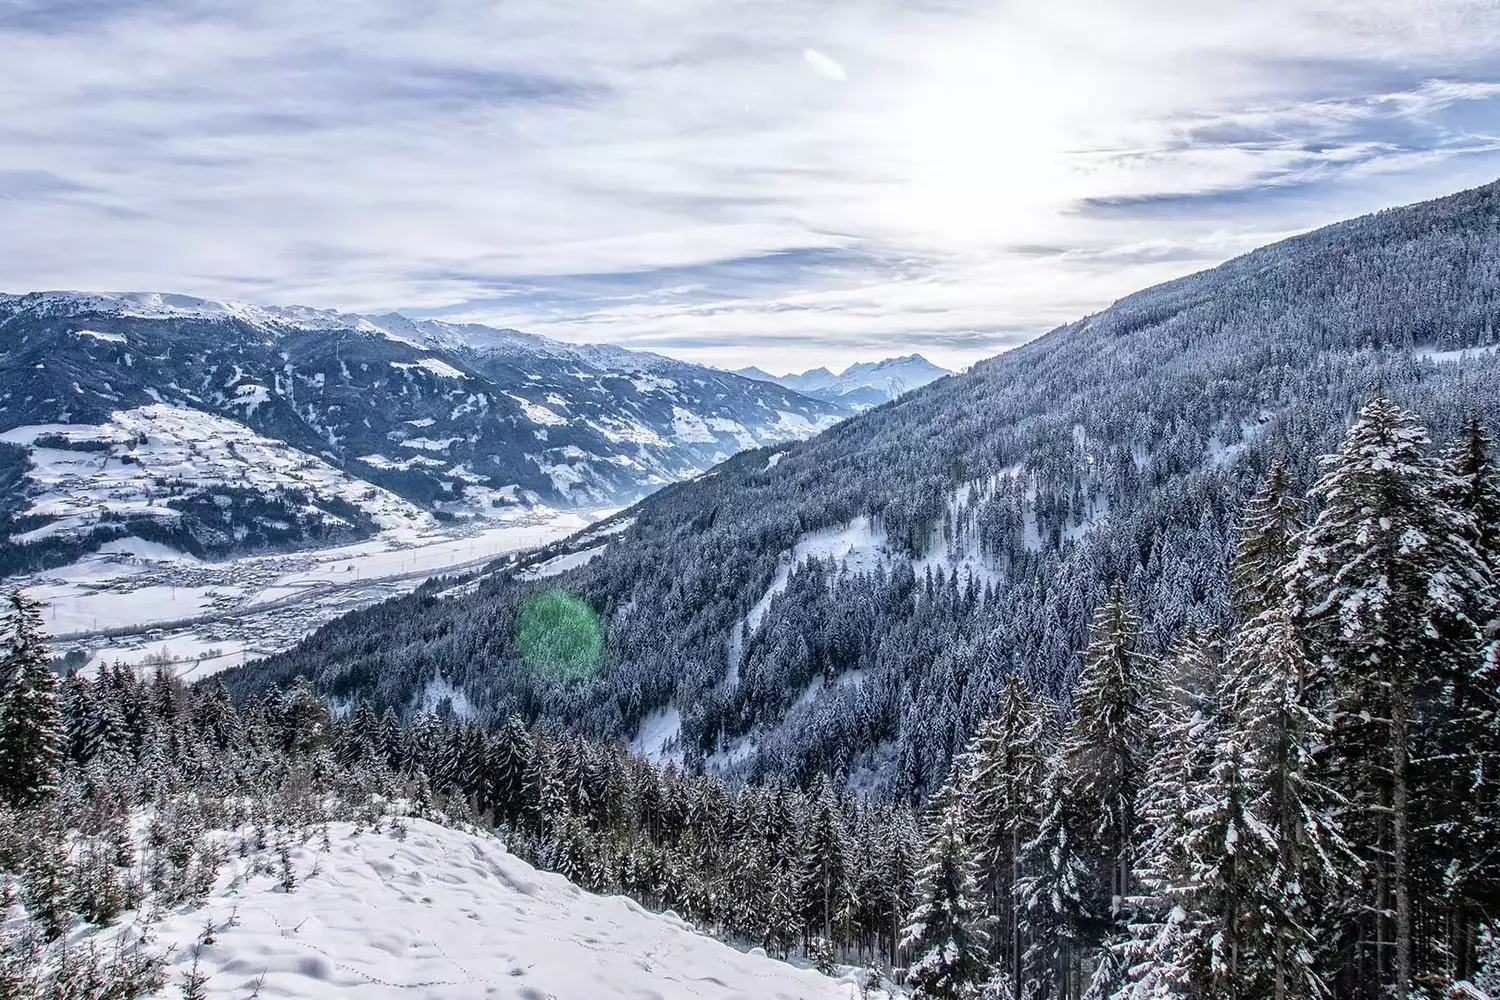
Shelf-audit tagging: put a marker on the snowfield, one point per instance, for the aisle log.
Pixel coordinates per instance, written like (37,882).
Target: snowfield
(657,738)
(149,445)
(439,913)
(133,600)
(560,564)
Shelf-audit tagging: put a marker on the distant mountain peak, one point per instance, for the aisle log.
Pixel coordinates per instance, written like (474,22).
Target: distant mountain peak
(861,385)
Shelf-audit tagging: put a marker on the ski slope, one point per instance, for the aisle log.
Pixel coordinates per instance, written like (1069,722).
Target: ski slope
(440,914)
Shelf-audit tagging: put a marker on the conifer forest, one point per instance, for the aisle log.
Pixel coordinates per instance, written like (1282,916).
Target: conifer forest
(1303,804)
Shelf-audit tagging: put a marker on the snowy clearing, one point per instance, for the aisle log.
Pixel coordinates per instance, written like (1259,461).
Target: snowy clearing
(857,546)
(1455,356)
(539,414)
(436,366)
(560,564)
(444,914)
(113,338)
(658,736)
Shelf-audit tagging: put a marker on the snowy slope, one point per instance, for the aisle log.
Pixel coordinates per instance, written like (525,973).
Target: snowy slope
(144,458)
(448,915)
(448,415)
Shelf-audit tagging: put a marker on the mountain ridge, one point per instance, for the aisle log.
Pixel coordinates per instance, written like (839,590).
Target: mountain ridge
(859,386)
(852,604)
(460,419)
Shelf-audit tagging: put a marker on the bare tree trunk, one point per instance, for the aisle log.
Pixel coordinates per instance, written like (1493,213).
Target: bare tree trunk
(1400,862)
(1015,913)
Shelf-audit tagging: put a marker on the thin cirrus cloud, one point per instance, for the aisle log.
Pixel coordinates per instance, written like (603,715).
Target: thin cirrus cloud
(787,184)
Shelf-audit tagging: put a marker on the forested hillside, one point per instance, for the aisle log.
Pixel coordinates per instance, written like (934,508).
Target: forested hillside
(852,605)
(1302,804)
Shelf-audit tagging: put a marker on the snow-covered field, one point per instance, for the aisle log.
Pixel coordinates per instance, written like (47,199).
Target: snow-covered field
(439,913)
(1454,356)
(134,601)
(144,448)
(658,736)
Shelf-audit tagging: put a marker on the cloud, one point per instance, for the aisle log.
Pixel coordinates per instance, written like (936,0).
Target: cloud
(690,179)
(825,65)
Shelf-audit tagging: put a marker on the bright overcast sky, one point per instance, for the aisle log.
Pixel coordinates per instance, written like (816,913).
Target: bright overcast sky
(732,181)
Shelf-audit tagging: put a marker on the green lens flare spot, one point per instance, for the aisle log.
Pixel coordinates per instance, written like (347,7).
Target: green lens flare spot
(559,636)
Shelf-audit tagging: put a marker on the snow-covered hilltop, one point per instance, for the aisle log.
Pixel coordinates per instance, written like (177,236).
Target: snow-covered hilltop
(424,910)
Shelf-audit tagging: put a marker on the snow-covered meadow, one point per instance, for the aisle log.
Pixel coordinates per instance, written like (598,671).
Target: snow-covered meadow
(136,602)
(422,910)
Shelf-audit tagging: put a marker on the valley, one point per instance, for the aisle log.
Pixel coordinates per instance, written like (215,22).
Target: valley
(734,501)
(137,602)
(195,484)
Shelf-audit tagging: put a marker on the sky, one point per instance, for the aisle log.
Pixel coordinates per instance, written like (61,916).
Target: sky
(786,184)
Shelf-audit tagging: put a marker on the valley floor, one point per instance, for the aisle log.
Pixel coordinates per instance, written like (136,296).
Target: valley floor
(135,601)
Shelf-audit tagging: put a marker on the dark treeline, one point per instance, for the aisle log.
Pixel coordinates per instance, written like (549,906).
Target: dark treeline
(1303,805)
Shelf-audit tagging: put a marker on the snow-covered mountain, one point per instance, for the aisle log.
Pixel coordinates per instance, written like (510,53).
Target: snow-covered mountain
(860,386)
(848,604)
(135,412)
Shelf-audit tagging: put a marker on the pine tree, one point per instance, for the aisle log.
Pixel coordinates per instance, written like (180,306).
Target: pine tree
(31,727)
(1474,487)
(1167,950)
(900,871)
(1230,850)
(1006,760)
(944,934)
(1058,891)
(1282,734)
(1383,576)
(1466,822)
(827,888)
(1104,750)
(194,980)
(1269,531)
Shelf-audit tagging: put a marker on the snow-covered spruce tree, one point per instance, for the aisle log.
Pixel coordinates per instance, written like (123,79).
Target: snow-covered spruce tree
(1104,751)
(827,889)
(901,867)
(1058,892)
(1280,730)
(1108,977)
(1270,530)
(1006,759)
(945,934)
(783,916)
(31,727)
(1474,487)
(1382,578)
(1231,850)
(505,786)
(1167,949)
(1466,820)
